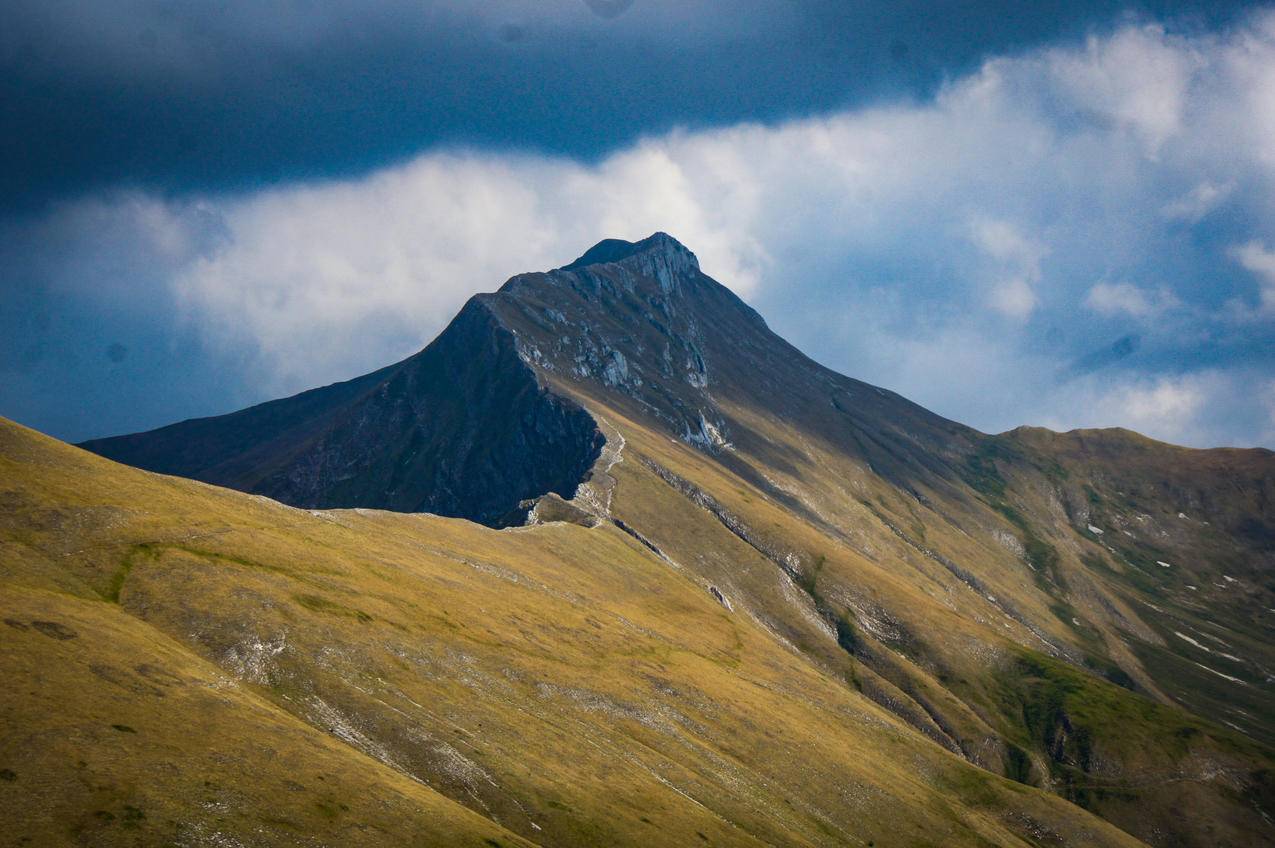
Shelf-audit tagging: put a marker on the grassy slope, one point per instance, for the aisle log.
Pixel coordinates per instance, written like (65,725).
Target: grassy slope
(116,734)
(192,661)
(1009,670)
(1187,544)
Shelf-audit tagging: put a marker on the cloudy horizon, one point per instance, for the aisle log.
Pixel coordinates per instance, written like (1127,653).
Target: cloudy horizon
(1073,228)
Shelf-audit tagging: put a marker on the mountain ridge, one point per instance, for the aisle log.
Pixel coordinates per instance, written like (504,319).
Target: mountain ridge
(659,255)
(1044,606)
(659,258)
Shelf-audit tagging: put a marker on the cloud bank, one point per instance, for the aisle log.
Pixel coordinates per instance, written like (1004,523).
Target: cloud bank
(183,97)
(968,251)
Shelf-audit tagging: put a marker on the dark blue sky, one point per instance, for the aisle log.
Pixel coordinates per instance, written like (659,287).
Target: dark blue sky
(182,96)
(195,203)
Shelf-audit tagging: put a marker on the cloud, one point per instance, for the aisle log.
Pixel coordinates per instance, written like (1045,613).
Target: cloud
(1001,240)
(1173,408)
(1019,257)
(1117,299)
(945,248)
(1014,298)
(1256,258)
(330,280)
(184,97)
(1137,80)
(1163,404)
(1197,203)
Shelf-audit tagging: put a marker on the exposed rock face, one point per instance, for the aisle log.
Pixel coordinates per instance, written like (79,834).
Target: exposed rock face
(463,428)
(628,320)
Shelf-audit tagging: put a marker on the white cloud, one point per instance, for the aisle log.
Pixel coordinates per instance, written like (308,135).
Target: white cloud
(1002,240)
(1266,394)
(1115,299)
(1173,408)
(1164,405)
(1193,206)
(325,281)
(1255,257)
(1139,79)
(1013,298)
(1016,255)
(860,232)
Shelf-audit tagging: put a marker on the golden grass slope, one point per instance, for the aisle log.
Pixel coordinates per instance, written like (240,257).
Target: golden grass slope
(190,665)
(928,603)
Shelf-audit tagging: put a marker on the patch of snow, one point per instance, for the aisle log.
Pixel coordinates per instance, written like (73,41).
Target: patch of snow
(1191,641)
(1206,648)
(1220,674)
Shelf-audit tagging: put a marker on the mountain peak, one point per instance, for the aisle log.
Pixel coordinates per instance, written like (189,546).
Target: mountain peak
(657,245)
(874,549)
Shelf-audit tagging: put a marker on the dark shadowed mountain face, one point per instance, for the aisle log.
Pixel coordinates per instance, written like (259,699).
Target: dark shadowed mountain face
(463,428)
(1088,613)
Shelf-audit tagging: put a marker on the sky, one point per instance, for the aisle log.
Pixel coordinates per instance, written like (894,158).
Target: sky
(1058,213)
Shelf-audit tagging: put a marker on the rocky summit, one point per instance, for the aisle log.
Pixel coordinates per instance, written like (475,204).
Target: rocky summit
(611,563)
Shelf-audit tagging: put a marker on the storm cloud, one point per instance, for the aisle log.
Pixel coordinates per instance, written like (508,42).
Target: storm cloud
(198,96)
(1077,233)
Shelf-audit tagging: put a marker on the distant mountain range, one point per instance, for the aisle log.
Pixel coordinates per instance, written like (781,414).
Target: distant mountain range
(737,598)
